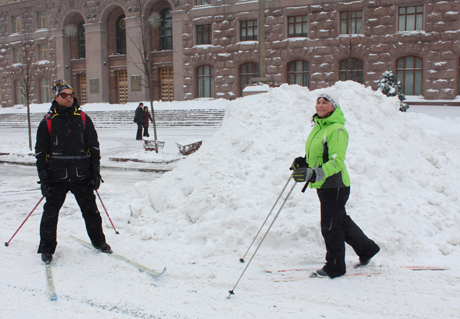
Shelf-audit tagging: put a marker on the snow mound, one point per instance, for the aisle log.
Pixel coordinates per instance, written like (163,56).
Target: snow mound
(404,191)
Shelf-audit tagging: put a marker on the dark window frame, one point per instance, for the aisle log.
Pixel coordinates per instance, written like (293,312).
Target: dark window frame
(352,21)
(355,72)
(120,33)
(166,42)
(204,34)
(247,71)
(294,75)
(81,41)
(295,22)
(403,71)
(205,81)
(404,16)
(248,27)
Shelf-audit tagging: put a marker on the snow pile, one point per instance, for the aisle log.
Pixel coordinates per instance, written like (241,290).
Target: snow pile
(404,193)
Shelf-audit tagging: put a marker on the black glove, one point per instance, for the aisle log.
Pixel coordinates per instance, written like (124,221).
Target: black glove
(298,163)
(94,182)
(304,174)
(47,189)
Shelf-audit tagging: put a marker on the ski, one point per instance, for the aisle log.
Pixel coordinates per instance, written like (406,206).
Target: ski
(50,283)
(433,268)
(140,267)
(293,278)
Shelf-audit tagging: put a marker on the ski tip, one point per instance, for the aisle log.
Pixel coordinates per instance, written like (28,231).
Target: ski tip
(53,297)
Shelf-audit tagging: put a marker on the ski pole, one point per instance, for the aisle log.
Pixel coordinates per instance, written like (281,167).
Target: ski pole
(242,259)
(116,231)
(8,242)
(263,238)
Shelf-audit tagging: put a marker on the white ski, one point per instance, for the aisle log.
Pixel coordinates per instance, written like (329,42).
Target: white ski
(50,283)
(119,257)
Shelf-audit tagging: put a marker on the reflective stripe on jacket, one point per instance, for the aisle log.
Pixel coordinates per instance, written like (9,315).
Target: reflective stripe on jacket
(326,148)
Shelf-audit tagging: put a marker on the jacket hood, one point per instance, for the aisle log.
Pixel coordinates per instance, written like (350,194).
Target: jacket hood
(336,117)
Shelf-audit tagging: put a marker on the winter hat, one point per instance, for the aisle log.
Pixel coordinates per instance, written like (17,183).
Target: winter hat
(331,96)
(60,85)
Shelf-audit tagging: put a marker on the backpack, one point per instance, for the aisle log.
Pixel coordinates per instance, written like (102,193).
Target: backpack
(50,127)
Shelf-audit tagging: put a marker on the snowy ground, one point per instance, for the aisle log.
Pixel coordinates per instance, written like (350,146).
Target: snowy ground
(200,218)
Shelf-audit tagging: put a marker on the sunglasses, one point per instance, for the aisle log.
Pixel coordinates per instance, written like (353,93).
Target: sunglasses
(67,95)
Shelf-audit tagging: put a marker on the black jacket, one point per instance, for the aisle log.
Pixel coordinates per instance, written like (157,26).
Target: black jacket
(71,152)
(139,115)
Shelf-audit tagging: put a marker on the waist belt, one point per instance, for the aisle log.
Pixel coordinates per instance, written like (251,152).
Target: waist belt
(69,157)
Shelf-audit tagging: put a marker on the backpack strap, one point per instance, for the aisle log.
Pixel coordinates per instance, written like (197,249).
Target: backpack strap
(83,118)
(48,118)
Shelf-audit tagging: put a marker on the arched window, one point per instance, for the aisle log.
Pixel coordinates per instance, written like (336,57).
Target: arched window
(205,78)
(298,73)
(166,30)
(45,90)
(81,40)
(351,69)
(20,93)
(121,34)
(409,70)
(247,72)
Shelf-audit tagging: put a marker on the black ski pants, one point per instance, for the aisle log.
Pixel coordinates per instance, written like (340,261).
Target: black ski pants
(87,202)
(338,228)
(139,131)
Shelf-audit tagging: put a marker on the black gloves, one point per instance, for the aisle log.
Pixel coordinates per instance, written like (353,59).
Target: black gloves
(94,182)
(47,189)
(304,174)
(298,162)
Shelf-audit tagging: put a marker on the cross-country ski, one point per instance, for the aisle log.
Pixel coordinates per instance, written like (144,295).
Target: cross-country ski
(50,283)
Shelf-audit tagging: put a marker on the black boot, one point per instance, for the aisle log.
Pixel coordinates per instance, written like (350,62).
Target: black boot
(47,258)
(105,248)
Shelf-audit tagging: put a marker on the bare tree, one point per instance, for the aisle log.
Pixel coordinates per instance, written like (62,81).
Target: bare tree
(25,67)
(142,43)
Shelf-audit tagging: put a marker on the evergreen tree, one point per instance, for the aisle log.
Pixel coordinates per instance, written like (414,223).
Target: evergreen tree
(391,86)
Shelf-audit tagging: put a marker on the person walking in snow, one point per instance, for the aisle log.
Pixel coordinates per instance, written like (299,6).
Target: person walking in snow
(68,159)
(324,168)
(139,120)
(147,116)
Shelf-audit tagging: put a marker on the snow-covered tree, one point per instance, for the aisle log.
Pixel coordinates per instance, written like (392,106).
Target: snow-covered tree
(391,86)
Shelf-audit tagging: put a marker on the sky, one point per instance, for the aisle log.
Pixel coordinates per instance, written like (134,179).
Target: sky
(199,218)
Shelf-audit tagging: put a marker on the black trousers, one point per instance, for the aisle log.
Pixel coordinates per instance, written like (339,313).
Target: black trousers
(146,131)
(87,202)
(338,228)
(139,131)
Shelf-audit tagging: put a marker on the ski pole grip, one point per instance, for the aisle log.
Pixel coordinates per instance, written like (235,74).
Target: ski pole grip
(305,187)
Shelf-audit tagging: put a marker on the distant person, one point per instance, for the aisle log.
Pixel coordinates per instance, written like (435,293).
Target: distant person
(68,159)
(139,120)
(324,167)
(147,116)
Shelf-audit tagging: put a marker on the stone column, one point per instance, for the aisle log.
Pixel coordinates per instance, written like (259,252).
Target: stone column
(62,52)
(97,67)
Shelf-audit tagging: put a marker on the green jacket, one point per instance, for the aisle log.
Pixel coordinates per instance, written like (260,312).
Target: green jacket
(326,148)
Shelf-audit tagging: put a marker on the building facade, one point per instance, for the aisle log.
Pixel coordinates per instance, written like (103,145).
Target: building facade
(121,51)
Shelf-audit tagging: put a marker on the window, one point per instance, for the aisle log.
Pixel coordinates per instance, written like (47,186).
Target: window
(203,34)
(41,20)
(20,93)
(16,24)
(45,90)
(298,73)
(351,22)
(351,69)
(81,40)
(201,2)
(43,52)
(247,72)
(205,77)
(411,18)
(166,30)
(298,26)
(248,30)
(409,70)
(121,34)
(17,55)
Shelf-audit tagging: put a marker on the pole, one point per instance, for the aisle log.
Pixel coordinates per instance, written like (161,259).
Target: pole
(116,232)
(242,259)
(261,36)
(8,242)
(263,238)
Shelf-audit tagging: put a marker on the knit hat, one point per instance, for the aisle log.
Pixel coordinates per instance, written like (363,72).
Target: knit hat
(60,85)
(331,96)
